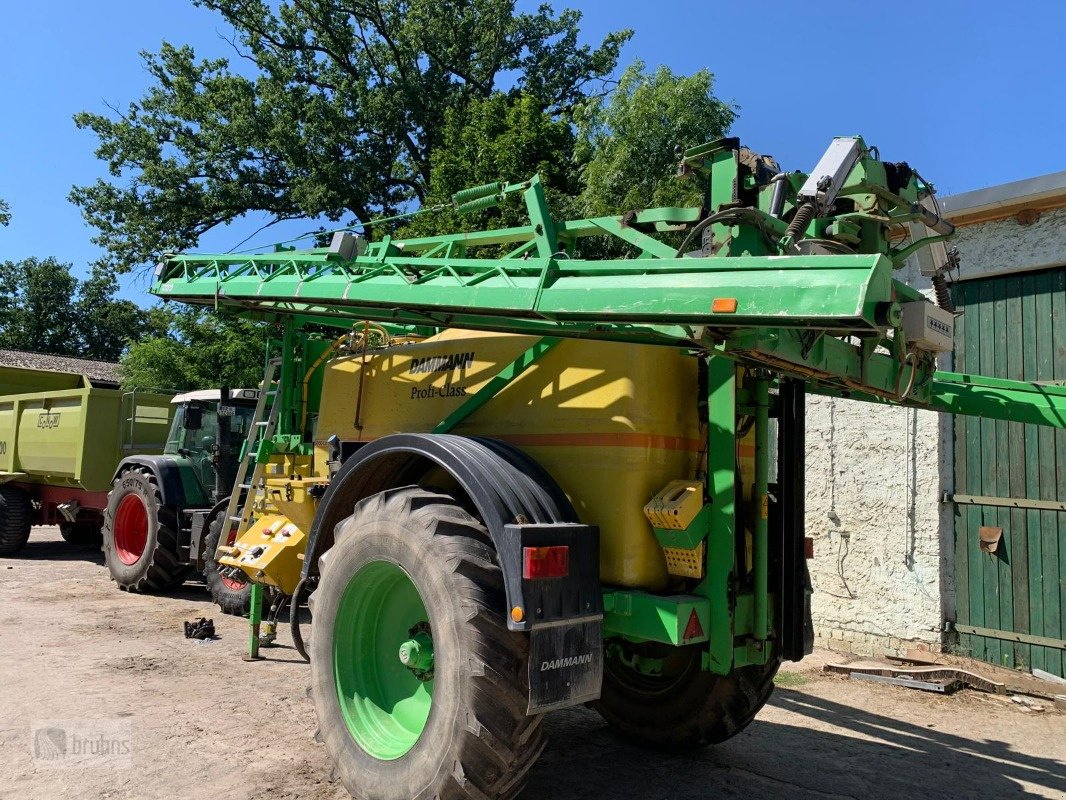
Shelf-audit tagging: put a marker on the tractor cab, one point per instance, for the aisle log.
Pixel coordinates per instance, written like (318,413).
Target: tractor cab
(195,435)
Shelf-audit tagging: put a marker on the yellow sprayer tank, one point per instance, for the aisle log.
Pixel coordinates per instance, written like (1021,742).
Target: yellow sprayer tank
(612,423)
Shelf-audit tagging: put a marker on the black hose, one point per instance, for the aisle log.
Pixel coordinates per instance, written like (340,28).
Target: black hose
(738,215)
(294,621)
(943,292)
(804,214)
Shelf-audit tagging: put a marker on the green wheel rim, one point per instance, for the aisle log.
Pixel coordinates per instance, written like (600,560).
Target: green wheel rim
(385,703)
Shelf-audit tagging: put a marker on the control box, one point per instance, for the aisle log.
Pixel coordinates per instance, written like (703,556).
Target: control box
(928,327)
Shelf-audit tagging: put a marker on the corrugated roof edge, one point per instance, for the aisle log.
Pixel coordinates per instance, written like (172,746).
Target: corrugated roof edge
(95,371)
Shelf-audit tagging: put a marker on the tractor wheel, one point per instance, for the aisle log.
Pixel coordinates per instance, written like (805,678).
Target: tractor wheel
(419,688)
(140,535)
(81,533)
(15,513)
(660,697)
(233,595)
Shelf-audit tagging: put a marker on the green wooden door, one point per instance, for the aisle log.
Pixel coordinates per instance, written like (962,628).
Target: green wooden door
(1012,602)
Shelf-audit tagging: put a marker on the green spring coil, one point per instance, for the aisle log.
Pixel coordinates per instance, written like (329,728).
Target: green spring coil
(479,205)
(477,192)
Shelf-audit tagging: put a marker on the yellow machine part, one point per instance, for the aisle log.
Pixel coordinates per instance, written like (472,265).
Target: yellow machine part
(612,423)
(270,552)
(676,505)
(686,562)
(290,496)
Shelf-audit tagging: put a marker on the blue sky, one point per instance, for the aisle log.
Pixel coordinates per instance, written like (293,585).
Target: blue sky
(968,92)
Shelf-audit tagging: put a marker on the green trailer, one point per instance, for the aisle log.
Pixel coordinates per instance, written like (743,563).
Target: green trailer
(62,434)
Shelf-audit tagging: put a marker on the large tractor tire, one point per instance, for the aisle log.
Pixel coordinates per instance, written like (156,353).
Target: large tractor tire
(140,535)
(81,533)
(15,517)
(408,617)
(233,595)
(678,705)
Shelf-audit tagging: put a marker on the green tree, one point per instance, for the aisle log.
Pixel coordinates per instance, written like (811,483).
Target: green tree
(627,140)
(43,307)
(5,213)
(620,154)
(37,299)
(346,105)
(105,326)
(194,348)
(501,137)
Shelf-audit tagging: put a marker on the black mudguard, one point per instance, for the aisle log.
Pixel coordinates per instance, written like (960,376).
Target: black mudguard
(520,505)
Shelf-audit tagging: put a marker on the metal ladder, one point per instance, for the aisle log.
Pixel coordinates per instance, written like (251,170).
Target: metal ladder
(259,432)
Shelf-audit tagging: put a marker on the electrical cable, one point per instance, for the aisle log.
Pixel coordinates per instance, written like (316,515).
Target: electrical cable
(739,214)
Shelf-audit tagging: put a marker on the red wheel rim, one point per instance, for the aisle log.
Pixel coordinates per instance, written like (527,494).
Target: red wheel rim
(236,584)
(131,529)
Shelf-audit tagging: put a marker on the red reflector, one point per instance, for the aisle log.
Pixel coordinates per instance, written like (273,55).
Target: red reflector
(545,562)
(808,547)
(693,630)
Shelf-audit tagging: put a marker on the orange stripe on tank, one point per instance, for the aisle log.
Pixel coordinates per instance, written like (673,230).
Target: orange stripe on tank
(628,439)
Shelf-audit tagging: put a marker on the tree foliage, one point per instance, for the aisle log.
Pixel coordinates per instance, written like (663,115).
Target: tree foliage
(5,213)
(501,137)
(619,155)
(353,109)
(197,349)
(627,141)
(347,103)
(43,307)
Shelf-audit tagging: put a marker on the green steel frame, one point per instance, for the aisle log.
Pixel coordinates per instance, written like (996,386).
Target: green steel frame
(732,283)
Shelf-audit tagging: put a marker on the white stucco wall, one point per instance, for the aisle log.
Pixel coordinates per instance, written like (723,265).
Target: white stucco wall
(883,569)
(1005,245)
(873,486)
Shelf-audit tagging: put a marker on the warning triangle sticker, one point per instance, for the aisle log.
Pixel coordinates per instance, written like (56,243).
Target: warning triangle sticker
(693,630)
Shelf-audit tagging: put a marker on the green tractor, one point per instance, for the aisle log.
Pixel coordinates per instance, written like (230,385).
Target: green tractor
(164,513)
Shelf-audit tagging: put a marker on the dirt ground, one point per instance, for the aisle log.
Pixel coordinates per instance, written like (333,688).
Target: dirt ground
(205,724)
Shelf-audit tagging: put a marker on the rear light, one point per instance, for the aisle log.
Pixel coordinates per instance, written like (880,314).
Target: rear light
(545,562)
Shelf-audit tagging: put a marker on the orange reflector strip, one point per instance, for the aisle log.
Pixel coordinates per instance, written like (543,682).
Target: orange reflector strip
(724,305)
(517,614)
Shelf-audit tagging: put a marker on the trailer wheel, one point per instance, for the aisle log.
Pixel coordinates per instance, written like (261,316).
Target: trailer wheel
(140,538)
(419,688)
(15,514)
(678,704)
(81,533)
(233,595)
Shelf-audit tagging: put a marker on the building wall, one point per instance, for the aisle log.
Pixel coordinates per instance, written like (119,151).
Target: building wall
(873,483)
(1004,244)
(883,574)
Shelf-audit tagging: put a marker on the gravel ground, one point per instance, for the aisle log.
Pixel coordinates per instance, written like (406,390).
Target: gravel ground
(205,724)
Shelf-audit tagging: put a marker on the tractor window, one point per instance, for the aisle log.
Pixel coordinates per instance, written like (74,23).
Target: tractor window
(176,434)
(241,422)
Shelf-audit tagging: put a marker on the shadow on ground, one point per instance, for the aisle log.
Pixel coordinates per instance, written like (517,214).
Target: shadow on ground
(770,759)
(39,548)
